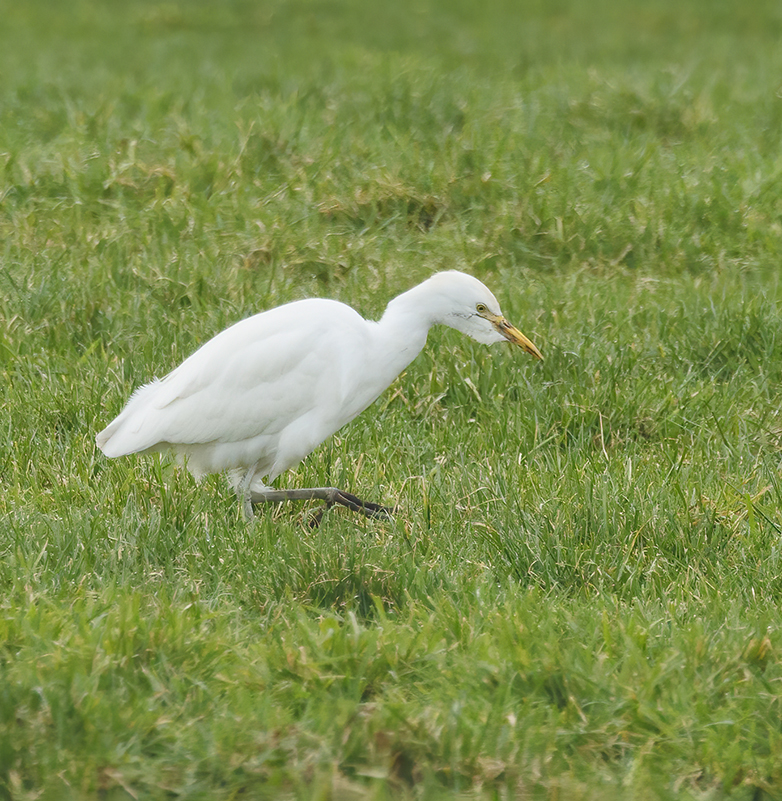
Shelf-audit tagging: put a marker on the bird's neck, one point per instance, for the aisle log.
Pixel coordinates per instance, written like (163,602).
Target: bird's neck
(402,330)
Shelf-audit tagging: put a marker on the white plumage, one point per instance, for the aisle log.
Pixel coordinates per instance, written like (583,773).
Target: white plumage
(262,394)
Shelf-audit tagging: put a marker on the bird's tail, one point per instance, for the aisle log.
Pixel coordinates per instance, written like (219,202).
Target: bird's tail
(123,435)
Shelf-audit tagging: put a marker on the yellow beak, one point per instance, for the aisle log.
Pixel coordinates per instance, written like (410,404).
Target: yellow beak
(514,335)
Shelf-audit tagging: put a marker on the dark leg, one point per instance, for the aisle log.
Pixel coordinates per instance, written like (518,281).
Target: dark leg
(330,495)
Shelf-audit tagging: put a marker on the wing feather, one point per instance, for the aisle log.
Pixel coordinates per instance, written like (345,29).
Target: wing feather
(254,378)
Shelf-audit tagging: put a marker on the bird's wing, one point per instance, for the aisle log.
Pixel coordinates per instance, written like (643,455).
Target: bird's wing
(254,378)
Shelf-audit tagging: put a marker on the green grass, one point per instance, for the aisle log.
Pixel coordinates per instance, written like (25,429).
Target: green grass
(580,595)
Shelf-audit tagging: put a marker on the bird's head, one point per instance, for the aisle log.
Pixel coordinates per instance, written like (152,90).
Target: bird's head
(464,303)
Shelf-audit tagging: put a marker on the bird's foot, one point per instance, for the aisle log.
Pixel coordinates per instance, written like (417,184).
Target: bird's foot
(355,504)
(331,495)
(367,508)
(314,520)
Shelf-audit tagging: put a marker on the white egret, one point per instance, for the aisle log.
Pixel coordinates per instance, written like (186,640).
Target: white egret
(261,395)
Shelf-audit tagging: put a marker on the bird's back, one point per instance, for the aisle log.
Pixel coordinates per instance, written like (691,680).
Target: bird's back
(235,397)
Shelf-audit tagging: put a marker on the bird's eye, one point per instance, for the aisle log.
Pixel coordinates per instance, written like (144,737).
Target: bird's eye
(481,308)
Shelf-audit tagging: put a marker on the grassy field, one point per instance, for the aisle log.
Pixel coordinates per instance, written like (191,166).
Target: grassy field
(580,595)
